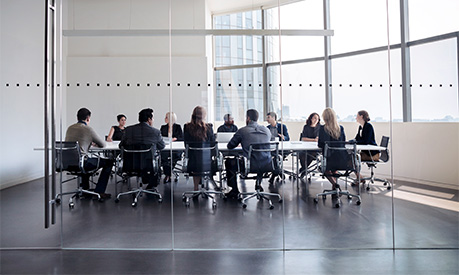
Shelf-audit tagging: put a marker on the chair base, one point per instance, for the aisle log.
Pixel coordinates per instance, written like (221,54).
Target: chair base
(372,180)
(137,193)
(77,193)
(204,192)
(337,192)
(259,195)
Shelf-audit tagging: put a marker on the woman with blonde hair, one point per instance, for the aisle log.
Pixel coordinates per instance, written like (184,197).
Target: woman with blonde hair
(330,131)
(173,131)
(197,130)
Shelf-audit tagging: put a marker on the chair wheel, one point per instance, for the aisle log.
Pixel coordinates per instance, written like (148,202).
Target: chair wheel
(271,207)
(71,205)
(57,201)
(214,205)
(388,187)
(280,201)
(385,183)
(358,202)
(336,205)
(117,200)
(160,200)
(324,197)
(134,204)
(309,180)
(349,197)
(244,206)
(368,188)
(316,200)
(187,204)
(184,199)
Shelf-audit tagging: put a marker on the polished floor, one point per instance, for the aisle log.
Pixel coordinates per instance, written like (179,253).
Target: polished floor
(296,237)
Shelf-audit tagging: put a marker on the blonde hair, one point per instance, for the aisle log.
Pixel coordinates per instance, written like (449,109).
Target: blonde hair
(172,117)
(331,123)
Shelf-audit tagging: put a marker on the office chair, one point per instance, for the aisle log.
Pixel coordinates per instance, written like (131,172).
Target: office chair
(262,158)
(339,159)
(69,159)
(137,161)
(383,158)
(202,159)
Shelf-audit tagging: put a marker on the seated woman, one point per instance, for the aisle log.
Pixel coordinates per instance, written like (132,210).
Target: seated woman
(310,133)
(173,131)
(365,135)
(330,131)
(198,130)
(117,132)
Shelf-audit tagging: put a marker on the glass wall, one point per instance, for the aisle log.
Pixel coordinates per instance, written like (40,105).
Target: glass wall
(174,72)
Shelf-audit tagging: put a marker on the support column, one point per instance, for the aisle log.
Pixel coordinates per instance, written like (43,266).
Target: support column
(406,61)
(327,50)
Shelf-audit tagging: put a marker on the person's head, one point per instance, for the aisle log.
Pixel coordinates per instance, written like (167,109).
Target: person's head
(252,115)
(146,115)
(229,120)
(121,119)
(331,123)
(171,118)
(84,115)
(313,119)
(362,117)
(197,127)
(199,115)
(271,117)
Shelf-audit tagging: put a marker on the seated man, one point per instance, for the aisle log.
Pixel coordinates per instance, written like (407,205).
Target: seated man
(143,134)
(86,136)
(252,133)
(228,126)
(276,129)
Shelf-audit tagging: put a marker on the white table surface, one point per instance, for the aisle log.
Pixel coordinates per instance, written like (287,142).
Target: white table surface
(286,146)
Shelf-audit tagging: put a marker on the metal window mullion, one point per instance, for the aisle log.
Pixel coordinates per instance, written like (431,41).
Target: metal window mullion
(266,96)
(327,60)
(406,70)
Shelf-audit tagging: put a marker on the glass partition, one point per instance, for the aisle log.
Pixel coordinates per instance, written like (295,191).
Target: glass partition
(178,65)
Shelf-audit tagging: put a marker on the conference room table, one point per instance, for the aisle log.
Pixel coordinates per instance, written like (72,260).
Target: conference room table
(286,147)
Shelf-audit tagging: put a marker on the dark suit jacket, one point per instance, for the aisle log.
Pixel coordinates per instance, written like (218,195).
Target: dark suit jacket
(142,134)
(176,131)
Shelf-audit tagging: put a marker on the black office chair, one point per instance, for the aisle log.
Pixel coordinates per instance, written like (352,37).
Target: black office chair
(339,159)
(383,158)
(262,158)
(137,161)
(69,159)
(202,159)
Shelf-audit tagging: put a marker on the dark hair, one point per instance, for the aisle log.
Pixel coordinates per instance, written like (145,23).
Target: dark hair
(83,114)
(365,115)
(272,114)
(197,127)
(309,120)
(145,114)
(227,117)
(252,114)
(120,116)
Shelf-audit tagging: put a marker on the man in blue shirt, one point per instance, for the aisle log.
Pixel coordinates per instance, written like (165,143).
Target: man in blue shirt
(276,129)
(228,126)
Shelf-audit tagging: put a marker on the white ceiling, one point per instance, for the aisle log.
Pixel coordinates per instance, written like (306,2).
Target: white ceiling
(223,6)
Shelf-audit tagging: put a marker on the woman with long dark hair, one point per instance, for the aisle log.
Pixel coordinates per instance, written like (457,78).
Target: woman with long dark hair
(197,130)
(365,135)
(310,133)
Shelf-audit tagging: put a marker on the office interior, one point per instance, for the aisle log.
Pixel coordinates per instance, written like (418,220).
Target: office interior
(397,59)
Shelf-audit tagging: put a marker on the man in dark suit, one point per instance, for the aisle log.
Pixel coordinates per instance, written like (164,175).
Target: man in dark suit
(144,135)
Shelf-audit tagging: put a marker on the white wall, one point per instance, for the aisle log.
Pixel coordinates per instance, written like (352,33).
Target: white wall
(421,152)
(21,108)
(136,60)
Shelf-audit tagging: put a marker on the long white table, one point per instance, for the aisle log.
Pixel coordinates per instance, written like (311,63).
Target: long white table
(286,146)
